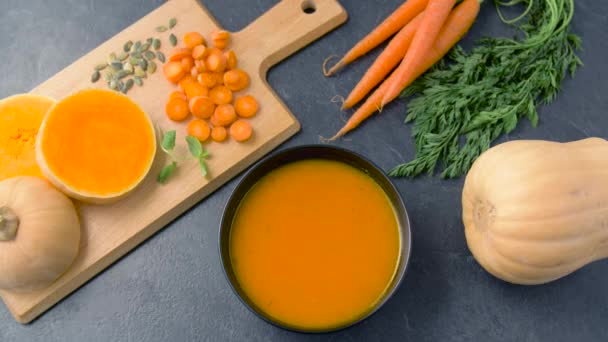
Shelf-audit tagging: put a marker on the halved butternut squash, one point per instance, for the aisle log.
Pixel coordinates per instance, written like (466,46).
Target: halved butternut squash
(96,145)
(20,119)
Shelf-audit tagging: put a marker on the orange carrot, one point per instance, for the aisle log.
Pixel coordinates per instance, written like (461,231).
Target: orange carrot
(231,60)
(399,18)
(456,26)
(178,94)
(179,53)
(433,19)
(388,59)
(220,39)
(224,115)
(219,134)
(202,107)
(220,95)
(177,109)
(236,79)
(241,130)
(198,52)
(199,129)
(246,106)
(187,64)
(215,61)
(173,71)
(192,39)
(207,79)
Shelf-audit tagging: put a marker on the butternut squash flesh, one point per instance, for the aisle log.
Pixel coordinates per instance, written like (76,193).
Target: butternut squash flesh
(20,119)
(96,145)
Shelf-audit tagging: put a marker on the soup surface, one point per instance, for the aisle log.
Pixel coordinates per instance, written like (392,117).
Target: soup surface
(315,244)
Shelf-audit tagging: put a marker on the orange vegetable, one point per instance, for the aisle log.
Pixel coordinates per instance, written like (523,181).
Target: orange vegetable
(215,61)
(179,53)
(198,52)
(173,71)
(231,60)
(434,17)
(187,64)
(220,39)
(236,79)
(178,94)
(219,78)
(207,79)
(224,115)
(241,130)
(199,65)
(192,88)
(192,39)
(213,120)
(220,95)
(199,129)
(388,59)
(455,27)
(219,134)
(246,106)
(202,107)
(177,109)
(399,18)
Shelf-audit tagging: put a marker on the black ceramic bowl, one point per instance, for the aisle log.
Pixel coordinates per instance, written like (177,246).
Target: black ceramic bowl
(312,152)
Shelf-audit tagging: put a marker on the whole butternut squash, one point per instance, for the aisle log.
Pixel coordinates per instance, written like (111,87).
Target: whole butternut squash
(535,211)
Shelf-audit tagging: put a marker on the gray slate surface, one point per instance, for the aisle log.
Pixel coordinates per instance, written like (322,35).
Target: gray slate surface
(171,288)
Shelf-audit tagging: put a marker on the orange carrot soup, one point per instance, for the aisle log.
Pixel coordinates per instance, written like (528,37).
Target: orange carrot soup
(315,244)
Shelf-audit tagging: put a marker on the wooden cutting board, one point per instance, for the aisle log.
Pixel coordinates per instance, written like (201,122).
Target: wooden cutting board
(110,231)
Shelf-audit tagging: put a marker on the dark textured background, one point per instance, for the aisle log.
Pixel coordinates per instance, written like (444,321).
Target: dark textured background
(171,288)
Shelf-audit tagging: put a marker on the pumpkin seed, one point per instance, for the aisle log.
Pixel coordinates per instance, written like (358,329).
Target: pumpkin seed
(117,65)
(120,86)
(95,76)
(149,55)
(145,47)
(111,58)
(122,74)
(128,85)
(134,60)
(128,67)
(127,46)
(156,43)
(122,56)
(161,28)
(109,75)
(138,81)
(160,56)
(101,66)
(151,67)
(113,84)
(149,40)
(143,64)
(137,46)
(173,39)
(136,54)
(172,23)
(139,72)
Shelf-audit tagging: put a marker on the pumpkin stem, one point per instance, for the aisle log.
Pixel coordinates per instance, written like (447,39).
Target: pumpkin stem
(9,222)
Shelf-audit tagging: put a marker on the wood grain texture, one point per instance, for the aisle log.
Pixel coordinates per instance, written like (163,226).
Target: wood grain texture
(110,231)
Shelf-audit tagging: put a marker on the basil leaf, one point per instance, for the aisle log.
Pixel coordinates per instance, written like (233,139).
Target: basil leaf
(168,143)
(195,147)
(201,162)
(166,172)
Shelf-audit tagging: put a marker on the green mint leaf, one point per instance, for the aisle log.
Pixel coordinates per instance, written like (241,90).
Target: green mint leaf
(168,143)
(166,172)
(201,162)
(195,147)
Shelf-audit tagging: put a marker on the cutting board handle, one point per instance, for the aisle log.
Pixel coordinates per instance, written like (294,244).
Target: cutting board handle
(289,26)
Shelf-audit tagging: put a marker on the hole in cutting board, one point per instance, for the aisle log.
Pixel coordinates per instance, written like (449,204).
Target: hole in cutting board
(308,7)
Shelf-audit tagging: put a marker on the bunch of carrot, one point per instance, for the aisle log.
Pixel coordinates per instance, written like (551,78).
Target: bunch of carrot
(207,78)
(425,31)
